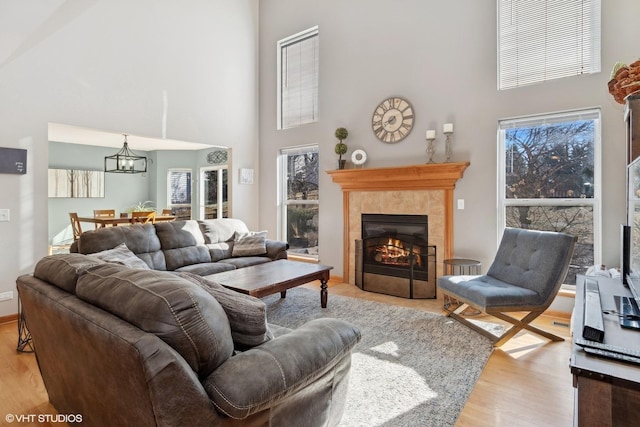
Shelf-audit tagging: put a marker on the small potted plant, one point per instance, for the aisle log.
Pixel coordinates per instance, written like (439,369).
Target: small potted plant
(341,147)
(146,206)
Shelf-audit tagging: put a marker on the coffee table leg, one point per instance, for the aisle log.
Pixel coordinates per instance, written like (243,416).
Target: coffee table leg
(323,293)
(283,294)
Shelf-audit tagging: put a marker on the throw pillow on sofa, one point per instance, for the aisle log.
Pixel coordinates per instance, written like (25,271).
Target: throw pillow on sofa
(247,315)
(121,254)
(178,311)
(250,244)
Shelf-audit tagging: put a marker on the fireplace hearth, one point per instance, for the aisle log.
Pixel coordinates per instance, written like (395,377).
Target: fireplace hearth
(394,257)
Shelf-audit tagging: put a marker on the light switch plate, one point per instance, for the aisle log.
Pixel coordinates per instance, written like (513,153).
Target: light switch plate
(4,215)
(460,204)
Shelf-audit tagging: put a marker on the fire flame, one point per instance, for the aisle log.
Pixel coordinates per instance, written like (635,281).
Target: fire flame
(394,253)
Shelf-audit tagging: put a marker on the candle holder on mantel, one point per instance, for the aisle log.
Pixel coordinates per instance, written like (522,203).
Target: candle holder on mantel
(430,137)
(447,129)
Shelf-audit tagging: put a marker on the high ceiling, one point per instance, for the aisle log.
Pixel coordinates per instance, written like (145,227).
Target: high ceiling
(25,27)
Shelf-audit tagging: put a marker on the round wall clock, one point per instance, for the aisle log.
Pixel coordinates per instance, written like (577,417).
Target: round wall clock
(392,120)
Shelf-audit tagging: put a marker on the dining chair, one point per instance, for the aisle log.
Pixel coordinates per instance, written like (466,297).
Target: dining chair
(525,277)
(104,213)
(75,225)
(143,217)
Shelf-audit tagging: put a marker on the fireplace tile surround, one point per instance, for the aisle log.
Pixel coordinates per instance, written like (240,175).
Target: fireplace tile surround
(414,190)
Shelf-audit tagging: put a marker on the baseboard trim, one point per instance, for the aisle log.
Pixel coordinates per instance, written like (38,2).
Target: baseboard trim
(9,318)
(557,314)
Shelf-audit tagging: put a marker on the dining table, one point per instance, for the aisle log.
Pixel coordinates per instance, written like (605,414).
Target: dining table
(113,221)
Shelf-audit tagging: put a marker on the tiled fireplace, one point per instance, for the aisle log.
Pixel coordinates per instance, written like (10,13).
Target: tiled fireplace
(408,190)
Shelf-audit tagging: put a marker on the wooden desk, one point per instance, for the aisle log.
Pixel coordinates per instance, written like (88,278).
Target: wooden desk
(103,222)
(607,392)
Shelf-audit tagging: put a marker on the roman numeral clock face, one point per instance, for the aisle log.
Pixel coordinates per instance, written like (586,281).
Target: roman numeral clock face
(392,120)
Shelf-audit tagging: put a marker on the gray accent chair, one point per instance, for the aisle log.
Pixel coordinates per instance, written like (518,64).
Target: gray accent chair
(525,276)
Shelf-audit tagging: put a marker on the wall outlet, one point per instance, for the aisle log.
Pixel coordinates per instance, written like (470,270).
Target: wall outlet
(4,215)
(5,296)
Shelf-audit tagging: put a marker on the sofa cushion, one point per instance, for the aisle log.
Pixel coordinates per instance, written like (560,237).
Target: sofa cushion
(247,315)
(206,268)
(249,244)
(63,270)
(182,243)
(122,255)
(220,251)
(178,311)
(221,229)
(141,239)
(246,261)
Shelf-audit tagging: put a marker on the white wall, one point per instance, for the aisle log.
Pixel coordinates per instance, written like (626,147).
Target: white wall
(104,64)
(441,56)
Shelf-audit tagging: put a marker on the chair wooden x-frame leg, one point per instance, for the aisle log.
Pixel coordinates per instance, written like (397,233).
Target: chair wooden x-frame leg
(518,324)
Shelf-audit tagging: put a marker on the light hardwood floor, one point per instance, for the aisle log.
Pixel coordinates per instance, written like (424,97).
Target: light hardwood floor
(527,382)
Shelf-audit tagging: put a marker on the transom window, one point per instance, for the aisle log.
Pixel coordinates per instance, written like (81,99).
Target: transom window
(541,40)
(550,179)
(298,64)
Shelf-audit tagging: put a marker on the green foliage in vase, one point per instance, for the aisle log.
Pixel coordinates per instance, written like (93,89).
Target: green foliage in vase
(146,206)
(341,147)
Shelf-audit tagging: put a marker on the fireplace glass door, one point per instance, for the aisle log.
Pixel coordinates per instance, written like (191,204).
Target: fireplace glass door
(396,246)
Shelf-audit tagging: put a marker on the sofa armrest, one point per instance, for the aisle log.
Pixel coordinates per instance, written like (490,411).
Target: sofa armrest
(276,249)
(264,376)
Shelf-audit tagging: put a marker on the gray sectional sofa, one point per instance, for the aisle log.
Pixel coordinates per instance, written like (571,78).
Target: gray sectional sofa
(201,247)
(154,343)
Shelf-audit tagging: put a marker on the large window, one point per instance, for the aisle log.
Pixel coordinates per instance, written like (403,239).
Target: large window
(299,201)
(550,179)
(179,192)
(214,189)
(298,65)
(541,40)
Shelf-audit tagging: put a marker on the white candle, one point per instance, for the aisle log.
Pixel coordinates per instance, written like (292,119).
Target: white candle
(447,128)
(431,134)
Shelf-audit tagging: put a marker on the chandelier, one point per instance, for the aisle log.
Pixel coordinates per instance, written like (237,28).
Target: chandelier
(125,161)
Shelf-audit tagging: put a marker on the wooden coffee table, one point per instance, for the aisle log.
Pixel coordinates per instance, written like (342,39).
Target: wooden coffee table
(275,276)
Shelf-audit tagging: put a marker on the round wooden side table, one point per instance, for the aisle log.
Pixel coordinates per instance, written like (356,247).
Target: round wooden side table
(461,267)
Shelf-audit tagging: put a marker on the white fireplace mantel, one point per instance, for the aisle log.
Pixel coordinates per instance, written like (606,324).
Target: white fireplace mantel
(420,179)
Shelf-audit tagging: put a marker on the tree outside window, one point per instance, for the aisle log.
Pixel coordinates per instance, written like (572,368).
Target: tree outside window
(179,189)
(300,204)
(549,179)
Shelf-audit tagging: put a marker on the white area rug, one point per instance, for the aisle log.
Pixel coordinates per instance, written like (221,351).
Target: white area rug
(412,368)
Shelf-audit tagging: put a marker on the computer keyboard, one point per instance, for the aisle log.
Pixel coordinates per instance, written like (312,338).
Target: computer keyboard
(610,350)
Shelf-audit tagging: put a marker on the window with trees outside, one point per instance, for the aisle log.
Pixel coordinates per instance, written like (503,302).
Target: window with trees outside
(299,200)
(214,197)
(179,192)
(550,179)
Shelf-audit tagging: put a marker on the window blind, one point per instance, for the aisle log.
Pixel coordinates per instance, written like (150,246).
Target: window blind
(541,40)
(298,61)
